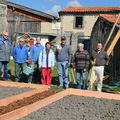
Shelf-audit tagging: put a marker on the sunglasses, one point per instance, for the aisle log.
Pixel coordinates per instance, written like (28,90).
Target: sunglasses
(21,41)
(6,35)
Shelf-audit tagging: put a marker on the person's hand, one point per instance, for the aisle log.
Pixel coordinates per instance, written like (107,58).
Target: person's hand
(74,69)
(40,69)
(107,63)
(29,61)
(94,62)
(66,66)
(84,70)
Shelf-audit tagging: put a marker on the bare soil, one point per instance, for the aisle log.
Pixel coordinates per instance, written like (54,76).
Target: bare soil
(26,101)
(78,108)
(10,91)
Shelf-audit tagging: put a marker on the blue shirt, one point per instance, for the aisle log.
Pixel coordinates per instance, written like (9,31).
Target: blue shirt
(35,52)
(20,54)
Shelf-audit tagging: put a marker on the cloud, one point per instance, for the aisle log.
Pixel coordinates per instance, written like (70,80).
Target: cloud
(74,3)
(49,0)
(54,10)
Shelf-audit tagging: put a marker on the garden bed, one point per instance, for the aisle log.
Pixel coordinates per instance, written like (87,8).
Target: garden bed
(92,103)
(6,91)
(25,101)
(78,108)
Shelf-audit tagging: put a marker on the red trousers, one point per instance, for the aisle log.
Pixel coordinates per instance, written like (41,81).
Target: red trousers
(46,76)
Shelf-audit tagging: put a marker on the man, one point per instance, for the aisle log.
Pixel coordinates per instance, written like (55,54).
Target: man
(5,50)
(20,55)
(101,58)
(81,61)
(63,58)
(46,62)
(34,54)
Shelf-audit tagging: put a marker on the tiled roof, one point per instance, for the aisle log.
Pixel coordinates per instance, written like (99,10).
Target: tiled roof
(111,18)
(90,9)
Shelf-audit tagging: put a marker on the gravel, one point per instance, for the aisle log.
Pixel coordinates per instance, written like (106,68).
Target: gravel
(78,108)
(10,91)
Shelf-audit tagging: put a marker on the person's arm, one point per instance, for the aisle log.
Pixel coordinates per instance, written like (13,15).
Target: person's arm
(31,52)
(53,60)
(70,54)
(87,59)
(40,59)
(27,56)
(74,61)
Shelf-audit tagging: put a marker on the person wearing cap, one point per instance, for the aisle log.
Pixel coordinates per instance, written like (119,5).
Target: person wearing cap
(63,58)
(20,55)
(81,64)
(34,54)
(5,50)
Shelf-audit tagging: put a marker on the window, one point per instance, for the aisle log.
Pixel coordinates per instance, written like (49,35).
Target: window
(79,22)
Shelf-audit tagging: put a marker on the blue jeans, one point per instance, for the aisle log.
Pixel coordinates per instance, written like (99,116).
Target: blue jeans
(18,67)
(81,74)
(63,70)
(5,63)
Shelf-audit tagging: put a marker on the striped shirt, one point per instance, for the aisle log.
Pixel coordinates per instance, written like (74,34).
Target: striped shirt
(81,59)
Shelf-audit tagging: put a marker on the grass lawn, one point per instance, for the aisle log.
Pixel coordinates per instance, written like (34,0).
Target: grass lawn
(55,79)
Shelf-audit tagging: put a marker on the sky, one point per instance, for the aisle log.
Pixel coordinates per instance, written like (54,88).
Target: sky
(53,6)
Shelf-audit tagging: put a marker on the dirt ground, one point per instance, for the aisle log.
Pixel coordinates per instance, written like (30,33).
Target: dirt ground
(78,108)
(25,101)
(10,91)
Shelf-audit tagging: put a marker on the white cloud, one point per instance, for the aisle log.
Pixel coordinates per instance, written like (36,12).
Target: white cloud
(54,10)
(49,0)
(74,3)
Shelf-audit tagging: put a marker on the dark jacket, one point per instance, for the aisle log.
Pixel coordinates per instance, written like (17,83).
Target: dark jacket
(101,57)
(5,50)
(81,60)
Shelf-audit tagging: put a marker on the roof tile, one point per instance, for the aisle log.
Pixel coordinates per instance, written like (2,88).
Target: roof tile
(90,9)
(111,18)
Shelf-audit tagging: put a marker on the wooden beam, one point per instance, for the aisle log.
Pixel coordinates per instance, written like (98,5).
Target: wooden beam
(111,47)
(113,28)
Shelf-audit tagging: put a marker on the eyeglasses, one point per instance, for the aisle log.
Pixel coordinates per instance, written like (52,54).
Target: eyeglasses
(21,41)
(6,35)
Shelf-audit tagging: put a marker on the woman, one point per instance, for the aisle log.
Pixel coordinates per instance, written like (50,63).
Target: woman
(46,63)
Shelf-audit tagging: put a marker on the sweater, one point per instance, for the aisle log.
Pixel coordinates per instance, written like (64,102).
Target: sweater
(81,59)
(63,53)
(101,57)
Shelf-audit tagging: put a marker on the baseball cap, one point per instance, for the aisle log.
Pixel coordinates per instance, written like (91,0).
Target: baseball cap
(63,38)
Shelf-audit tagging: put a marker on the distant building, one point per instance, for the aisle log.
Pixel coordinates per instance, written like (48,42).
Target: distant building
(16,18)
(79,21)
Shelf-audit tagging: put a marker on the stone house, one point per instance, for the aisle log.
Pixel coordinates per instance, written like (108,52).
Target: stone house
(78,22)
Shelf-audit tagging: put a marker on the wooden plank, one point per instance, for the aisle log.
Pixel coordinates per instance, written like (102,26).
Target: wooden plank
(111,47)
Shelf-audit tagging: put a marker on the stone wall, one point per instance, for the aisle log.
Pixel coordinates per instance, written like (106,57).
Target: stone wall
(3,18)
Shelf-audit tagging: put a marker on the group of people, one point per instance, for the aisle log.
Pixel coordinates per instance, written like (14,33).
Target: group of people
(44,58)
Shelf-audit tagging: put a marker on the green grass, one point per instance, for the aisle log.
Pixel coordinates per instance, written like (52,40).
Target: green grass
(111,88)
(12,67)
(54,85)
